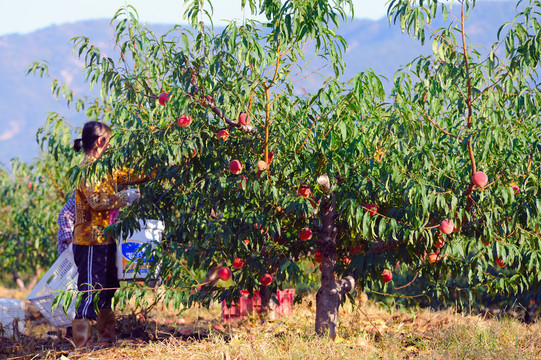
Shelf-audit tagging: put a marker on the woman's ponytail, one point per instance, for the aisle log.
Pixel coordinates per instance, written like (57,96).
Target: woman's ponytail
(78,145)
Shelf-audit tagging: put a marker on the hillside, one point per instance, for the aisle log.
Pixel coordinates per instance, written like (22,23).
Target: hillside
(25,101)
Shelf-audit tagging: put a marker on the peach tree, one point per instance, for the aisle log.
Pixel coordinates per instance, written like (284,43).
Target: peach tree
(439,177)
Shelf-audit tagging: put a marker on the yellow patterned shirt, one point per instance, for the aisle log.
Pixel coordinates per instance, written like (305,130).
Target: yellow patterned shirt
(93,203)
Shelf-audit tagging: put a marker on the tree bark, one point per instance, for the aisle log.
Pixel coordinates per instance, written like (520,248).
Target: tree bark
(268,305)
(331,292)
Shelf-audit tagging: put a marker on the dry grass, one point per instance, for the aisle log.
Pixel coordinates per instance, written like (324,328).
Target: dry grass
(366,332)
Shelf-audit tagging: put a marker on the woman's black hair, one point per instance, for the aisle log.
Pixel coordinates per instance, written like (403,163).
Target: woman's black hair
(92,130)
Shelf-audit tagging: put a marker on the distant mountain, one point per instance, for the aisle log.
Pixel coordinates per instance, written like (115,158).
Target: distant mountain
(25,101)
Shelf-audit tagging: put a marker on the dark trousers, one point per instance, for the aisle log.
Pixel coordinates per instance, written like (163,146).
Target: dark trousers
(97,270)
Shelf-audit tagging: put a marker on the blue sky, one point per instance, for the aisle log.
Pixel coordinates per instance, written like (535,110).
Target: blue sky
(24,16)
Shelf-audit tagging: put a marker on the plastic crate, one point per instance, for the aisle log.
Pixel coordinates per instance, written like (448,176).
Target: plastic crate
(61,276)
(285,298)
(11,310)
(248,305)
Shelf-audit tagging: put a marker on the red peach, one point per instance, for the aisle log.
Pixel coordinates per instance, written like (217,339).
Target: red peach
(515,188)
(387,275)
(500,263)
(372,209)
(243,182)
(266,280)
(433,258)
(235,167)
(244,119)
(317,257)
(304,190)
(238,263)
(163,98)
(224,273)
(222,134)
(447,226)
(305,234)
(480,179)
(184,120)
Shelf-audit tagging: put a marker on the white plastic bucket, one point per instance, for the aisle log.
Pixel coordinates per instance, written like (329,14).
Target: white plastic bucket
(128,249)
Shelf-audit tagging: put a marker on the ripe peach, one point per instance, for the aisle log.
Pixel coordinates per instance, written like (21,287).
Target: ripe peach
(243,182)
(372,209)
(500,263)
(515,188)
(163,98)
(386,275)
(447,226)
(222,134)
(317,257)
(266,280)
(304,190)
(305,234)
(261,165)
(433,258)
(238,263)
(235,167)
(244,119)
(184,120)
(480,179)
(224,273)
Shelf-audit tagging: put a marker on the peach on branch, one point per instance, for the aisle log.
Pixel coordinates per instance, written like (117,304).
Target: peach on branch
(224,273)
(261,165)
(266,280)
(184,120)
(163,98)
(243,182)
(386,275)
(447,226)
(480,179)
(515,188)
(222,134)
(305,234)
(500,263)
(433,258)
(244,119)
(317,257)
(304,190)
(372,209)
(238,263)
(235,167)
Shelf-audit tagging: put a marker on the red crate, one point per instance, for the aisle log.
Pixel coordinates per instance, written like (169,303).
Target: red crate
(250,305)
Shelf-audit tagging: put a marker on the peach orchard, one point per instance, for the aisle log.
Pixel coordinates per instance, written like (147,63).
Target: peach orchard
(438,176)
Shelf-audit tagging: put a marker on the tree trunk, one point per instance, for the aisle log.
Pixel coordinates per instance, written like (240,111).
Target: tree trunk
(268,305)
(329,295)
(18,280)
